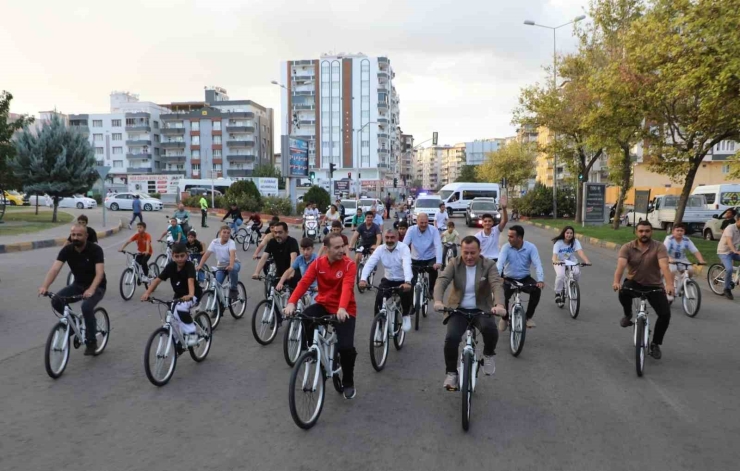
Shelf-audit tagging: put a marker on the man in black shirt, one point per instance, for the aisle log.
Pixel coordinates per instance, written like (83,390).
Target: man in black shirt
(181,273)
(282,248)
(235,214)
(92,236)
(86,261)
(369,235)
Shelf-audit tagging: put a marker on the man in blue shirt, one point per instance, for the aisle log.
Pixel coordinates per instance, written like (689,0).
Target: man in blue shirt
(299,267)
(136,206)
(426,249)
(514,263)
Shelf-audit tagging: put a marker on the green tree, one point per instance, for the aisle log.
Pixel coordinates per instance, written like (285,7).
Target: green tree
(269,171)
(318,195)
(514,161)
(59,162)
(7,150)
(245,195)
(683,54)
(468,174)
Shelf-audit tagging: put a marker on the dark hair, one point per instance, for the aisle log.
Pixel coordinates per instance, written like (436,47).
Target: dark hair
(732,211)
(233,203)
(142,224)
(306,243)
(179,248)
(82,217)
(336,224)
(403,224)
(275,219)
(644,222)
(283,225)
(359,210)
(335,207)
(470,240)
(487,216)
(330,237)
(369,213)
(192,233)
(450,224)
(518,229)
(681,225)
(561,236)
(441,204)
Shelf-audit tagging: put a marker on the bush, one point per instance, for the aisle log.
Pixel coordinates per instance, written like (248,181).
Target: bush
(193,201)
(538,202)
(299,208)
(243,188)
(277,206)
(243,201)
(155,195)
(317,195)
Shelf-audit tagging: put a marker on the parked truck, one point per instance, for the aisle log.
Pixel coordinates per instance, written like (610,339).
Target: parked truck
(662,213)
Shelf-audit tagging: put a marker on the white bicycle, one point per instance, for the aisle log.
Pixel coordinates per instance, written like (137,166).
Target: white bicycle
(216,297)
(571,291)
(641,330)
(163,259)
(267,315)
(387,324)
(293,337)
(133,276)
(687,289)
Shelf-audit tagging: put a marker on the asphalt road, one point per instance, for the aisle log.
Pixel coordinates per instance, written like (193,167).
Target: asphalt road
(571,401)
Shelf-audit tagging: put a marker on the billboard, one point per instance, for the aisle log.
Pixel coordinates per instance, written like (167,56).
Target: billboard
(162,184)
(296,165)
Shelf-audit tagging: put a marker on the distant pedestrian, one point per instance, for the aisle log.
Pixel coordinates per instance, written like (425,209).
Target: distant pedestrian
(137,211)
(388,203)
(203,210)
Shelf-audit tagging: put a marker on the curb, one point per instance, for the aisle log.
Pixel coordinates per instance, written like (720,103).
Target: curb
(59,242)
(698,269)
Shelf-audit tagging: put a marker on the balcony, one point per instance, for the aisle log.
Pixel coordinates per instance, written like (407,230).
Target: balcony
(304,107)
(239,143)
(172,145)
(138,142)
(383,151)
(240,158)
(171,117)
(173,159)
(240,114)
(139,155)
(172,172)
(139,128)
(382,135)
(304,92)
(173,131)
(383,74)
(383,60)
(238,172)
(83,128)
(239,128)
(139,170)
(382,105)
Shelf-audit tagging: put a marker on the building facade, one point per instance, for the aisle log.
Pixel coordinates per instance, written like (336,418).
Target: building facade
(477,151)
(454,158)
(406,160)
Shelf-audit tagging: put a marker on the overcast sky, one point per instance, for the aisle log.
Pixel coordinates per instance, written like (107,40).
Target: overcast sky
(459,64)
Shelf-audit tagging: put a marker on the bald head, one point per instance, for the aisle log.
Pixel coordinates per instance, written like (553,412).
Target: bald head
(422,220)
(78,235)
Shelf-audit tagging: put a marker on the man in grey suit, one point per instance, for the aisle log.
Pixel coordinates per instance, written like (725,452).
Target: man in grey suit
(474,279)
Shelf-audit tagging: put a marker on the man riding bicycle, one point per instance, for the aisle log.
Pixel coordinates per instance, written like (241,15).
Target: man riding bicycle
(728,252)
(514,263)
(236,215)
(441,218)
(299,266)
(184,216)
(256,221)
(677,245)
(473,279)
(396,260)
(283,249)
(426,249)
(336,295)
(645,259)
(489,236)
(86,260)
(369,235)
(224,248)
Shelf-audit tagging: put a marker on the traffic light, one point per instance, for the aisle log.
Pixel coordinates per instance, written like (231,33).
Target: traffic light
(395,182)
(580,177)
(312,176)
(332,167)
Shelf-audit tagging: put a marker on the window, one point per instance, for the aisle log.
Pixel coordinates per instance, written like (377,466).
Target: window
(195,126)
(196,168)
(97,123)
(99,163)
(118,164)
(725,170)
(195,140)
(97,138)
(217,139)
(217,168)
(365,144)
(156,138)
(217,154)
(117,150)
(470,194)
(99,151)
(195,154)
(117,136)
(217,125)
(156,124)
(116,123)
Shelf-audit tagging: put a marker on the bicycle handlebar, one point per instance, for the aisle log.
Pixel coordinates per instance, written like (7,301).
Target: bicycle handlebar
(518,286)
(68,299)
(423,269)
(643,293)
(573,264)
(330,319)
(161,301)
(676,262)
(392,289)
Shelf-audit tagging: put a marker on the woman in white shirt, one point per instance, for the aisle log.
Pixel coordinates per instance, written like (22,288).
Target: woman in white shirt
(224,249)
(565,248)
(332,215)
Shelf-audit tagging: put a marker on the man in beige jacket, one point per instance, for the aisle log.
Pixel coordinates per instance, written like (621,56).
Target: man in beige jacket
(474,279)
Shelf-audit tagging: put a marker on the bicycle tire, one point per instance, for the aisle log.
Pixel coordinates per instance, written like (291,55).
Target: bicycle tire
(241,233)
(268,285)
(379,342)
(293,341)
(102,335)
(417,306)
(359,276)
(689,309)
(259,323)
(400,337)
(57,334)
(715,278)
(246,243)
(466,388)
(161,261)
(335,378)
(310,358)
(574,305)
(215,313)
(424,302)
(518,331)
(640,349)
(200,352)
(127,281)
(154,270)
(161,334)
(239,313)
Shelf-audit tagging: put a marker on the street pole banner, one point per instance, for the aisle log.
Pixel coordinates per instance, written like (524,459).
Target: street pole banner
(594,203)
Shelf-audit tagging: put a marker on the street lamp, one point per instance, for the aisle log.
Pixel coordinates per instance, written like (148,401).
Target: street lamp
(554,86)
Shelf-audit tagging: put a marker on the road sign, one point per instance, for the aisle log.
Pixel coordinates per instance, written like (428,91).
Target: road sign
(102,171)
(594,203)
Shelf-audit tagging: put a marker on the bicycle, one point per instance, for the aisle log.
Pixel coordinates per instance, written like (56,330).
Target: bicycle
(387,323)
(164,258)
(641,330)
(237,235)
(71,324)
(216,296)
(716,278)
(271,278)
(470,364)
(252,237)
(166,352)
(361,265)
(516,322)
(293,337)
(571,289)
(687,289)
(265,327)
(449,249)
(421,293)
(311,371)
(133,276)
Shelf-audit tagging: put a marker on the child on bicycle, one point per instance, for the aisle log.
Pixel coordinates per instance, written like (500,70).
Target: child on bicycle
(175,231)
(195,250)
(293,274)
(143,246)
(181,273)
(450,236)
(677,245)
(565,248)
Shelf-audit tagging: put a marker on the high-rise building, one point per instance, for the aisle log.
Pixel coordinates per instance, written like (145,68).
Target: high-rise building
(406,162)
(347,107)
(476,152)
(452,163)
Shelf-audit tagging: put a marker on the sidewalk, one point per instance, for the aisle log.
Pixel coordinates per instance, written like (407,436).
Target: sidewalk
(57,236)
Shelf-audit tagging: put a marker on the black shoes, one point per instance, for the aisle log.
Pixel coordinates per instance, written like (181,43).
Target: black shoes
(350,392)
(728,294)
(625,322)
(90,348)
(655,351)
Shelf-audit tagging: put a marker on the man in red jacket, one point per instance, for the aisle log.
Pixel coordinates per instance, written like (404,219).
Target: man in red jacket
(336,274)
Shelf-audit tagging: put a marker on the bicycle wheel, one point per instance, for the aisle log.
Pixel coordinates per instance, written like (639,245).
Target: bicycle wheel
(241,233)
(574,298)
(161,261)
(716,278)
(518,330)
(417,306)
(102,326)
(691,298)
(359,275)
(210,305)
(154,270)
(400,337)
(160,361)
(264,322)
(127,284)
(246,243)
(379,342)
(239,307)
(306,393)
(292,341)
(640,347)
(56,354)
(200,351)
(336,379)
(424,301)
(466,388)
(70,278)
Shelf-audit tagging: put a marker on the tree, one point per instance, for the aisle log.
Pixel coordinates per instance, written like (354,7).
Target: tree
(269,171)
(59,162)
(686,65)
(318,195)
(468,173)
(7,151)
(245,195)
(515,162)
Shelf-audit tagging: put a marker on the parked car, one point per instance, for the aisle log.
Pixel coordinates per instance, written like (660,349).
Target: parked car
(77,201)
(350,209)
(713,227)
(662,212)
(719,197)
(199,192)
(367,204)
(13,198)
(428,205)
(125,201)
(477,208)
(44,200)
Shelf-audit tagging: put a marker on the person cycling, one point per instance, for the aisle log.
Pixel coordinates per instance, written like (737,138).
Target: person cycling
(333,215)
(474,279)
(401,216)
(378,219)
(336,228)
(175,231)
(256,220)
(184,216)
(677,245)
(489,236)
(224,248)
(87,263)
(341,208)
(396,261)
(449,236)
(335,274)
(645,259)
(283,249)
(403,227)
(728,252)
(564,249)
(441,218)
(358,219)
(514,263)
(299,266)
(143,247)
(236,215)
(426,249)
(196,249)
(369,236)
(92,236)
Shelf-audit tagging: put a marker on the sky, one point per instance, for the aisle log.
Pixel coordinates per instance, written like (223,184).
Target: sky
(459,64)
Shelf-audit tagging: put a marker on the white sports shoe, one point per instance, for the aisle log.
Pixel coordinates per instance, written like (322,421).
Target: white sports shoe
(191,340)
(406,323)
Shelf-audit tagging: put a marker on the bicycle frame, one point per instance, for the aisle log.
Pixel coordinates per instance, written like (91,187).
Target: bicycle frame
(72,321)
(324,347)
(174,329)
(216,287)
(391,304)
(470,344)
(134,265)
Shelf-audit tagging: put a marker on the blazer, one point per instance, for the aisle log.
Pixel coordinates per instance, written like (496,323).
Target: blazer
(489,281)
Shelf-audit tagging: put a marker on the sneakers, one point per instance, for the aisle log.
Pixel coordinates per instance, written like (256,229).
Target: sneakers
(234,294)
(406,323)
(489,365)
(728,295)
(90,348)
(451,382)
(350,392)
(191,340)
(129,227)
(655,351)
(502,325)
(625,322)
(531,324)
(558,299)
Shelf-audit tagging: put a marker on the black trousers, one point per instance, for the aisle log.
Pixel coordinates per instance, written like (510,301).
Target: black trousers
(88,306)
(456,327)
(432,274)
(345,341)
(534,294)
(658,301)
(133,218)
(203,215)
(406,296)
(143,260)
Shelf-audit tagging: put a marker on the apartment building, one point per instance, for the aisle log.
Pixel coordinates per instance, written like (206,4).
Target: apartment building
(476,152)
(347,107)
(453,160)
(406,159)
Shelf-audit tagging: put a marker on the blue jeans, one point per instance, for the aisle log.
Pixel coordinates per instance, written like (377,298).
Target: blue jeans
(233,275)
(235,225)
(727,262)
(195,258)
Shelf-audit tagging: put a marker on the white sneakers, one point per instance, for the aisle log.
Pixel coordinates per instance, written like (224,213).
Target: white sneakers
(406,323)
(489,365)
(191,340)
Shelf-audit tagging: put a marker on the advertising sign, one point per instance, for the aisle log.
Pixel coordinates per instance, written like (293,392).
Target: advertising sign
(342,186)
(297,157)
(162,184)
(594,203)
(267,186)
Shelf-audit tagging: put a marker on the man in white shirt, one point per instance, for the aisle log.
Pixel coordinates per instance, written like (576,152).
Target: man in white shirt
(224,249)
(396,259)
(489,236)
(440,219)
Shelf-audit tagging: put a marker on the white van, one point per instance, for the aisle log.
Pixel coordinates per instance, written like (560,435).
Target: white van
(457,196)
(720,197)
(428,205)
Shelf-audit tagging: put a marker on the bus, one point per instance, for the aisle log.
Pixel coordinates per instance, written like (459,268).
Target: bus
(457,196)
(218,184)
